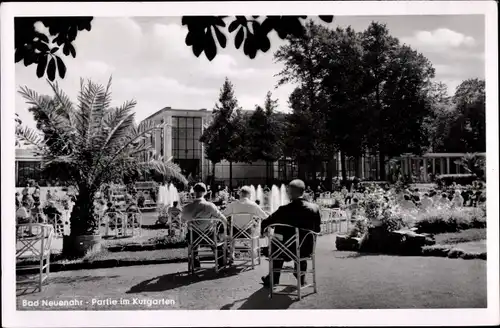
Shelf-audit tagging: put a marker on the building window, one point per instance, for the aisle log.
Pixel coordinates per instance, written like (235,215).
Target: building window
(186,147)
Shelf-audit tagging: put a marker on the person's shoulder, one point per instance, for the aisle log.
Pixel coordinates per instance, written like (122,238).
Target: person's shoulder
(310,206)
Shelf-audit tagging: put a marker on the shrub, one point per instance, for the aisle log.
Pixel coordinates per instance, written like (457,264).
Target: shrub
(450,220)
(169,241)
(444,180)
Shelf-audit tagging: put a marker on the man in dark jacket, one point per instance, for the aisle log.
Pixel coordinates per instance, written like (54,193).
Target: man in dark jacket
(298,213)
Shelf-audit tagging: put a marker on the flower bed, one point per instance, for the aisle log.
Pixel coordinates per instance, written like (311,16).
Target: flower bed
(441,220)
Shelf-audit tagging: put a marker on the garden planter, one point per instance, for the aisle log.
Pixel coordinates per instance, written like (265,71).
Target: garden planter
(346,243)
(80,245)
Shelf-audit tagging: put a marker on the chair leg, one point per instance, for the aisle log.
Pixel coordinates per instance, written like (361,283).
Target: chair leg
(271,278)
(299,285)
(252,250)
(314,272)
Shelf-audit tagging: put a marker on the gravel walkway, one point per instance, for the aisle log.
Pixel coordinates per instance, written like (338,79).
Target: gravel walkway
(345,281)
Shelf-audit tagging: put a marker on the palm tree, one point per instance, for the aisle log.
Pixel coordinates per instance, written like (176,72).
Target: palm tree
(91,143)
(473,164)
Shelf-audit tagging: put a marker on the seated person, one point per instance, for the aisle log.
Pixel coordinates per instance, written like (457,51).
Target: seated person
(426,202)
(244,206)
(407,203)
(52,213)
(458,200)
(200,208)
(18,202)
(444,201)
(298,213)
(23,213)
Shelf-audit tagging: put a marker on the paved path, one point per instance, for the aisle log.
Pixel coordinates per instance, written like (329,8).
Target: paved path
(345,281)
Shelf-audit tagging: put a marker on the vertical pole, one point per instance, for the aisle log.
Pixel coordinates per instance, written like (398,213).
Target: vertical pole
(447,165)
(441,166)
(433,166)
(425,170)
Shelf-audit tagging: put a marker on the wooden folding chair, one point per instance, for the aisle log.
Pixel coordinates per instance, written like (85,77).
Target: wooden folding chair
(34,240)
(280,249)
(244,234)
(205,239)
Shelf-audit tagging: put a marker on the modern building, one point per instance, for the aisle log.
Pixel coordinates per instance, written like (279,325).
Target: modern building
(179,139)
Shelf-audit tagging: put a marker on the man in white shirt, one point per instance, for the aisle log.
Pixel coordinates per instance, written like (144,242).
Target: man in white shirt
(244,205)
(200,208)
(426,202)
(458,200)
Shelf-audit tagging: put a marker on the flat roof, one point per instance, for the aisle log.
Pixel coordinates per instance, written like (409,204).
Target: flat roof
(173,110)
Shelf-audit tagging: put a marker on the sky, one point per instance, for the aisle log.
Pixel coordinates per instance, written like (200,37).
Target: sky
(150,63)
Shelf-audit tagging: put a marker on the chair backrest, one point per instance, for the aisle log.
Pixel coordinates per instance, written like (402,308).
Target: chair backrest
(291,247)
(241,223)
(326,214)
(206,231)
(34,238)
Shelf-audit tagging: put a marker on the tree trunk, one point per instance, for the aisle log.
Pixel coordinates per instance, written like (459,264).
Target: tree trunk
(83,221)
(213,177)
(267,172)
(329,175)
(230,175)
(382,173)
(301,173)
(343,168)
(356,166)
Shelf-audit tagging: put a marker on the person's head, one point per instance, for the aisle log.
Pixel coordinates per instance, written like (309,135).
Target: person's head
(199,190)
(355,200)
(245,192)
(109,204)
(17,194)
(257,202)
(407,197)
(426,195)
(296,189)
(444,195)
(175,203)
(457,193)
(25,204)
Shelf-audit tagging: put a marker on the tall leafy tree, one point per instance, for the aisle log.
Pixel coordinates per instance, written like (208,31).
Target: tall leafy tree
(221,137)
(265,131)
(470,103)
(92,143)
(378,48)
(397,79)
(302,58)
(343,86)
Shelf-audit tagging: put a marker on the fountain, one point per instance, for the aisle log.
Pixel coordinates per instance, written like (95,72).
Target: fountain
(283,195)
(274,199)
(253,193)
(173,193)
(162,195)
(259,195)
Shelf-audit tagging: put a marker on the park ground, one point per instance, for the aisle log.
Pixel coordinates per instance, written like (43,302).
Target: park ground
(345,281)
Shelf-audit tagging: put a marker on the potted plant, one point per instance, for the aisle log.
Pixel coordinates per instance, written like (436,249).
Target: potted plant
(90,144)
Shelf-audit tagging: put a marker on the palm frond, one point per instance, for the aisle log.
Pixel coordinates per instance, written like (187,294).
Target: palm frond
(30,137)
(118,123)
(165,169)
